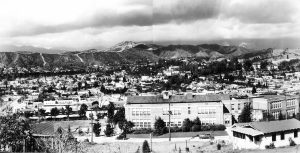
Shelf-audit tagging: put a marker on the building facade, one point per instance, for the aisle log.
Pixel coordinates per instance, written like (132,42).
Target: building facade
(288,106)
(143,110)
(258,135)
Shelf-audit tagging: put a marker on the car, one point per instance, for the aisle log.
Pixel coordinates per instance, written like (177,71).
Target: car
(205,136)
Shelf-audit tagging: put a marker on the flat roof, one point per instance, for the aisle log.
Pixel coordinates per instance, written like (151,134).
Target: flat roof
(158,99)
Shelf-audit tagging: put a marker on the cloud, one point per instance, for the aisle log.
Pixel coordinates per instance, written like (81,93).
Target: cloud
(261,11)
(88,23)
(180,11)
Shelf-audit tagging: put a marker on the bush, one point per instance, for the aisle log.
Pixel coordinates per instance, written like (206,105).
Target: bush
(109,130)
(219,146)
(176,129)
(142,131)
(145,147)
(272,146)
(196,128)
(292,142)
(122,136)
(185,129)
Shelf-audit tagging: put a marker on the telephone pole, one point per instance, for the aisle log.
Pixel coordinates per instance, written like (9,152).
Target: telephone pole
(170,121)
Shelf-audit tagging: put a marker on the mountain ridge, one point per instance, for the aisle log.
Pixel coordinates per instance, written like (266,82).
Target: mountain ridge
(127,52)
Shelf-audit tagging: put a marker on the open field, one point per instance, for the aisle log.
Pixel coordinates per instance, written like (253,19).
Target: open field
(169,147)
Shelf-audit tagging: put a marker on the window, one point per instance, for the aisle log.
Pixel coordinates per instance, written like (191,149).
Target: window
(239,106)
(232,107)
(296,134)
(274,137)
(256,138)
(189,110)
(282,136)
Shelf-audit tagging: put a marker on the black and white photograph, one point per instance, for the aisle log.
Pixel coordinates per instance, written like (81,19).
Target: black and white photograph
(150,76)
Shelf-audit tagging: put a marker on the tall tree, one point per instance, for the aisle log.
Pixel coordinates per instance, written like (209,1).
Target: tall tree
(159,126)
(82,110)
(245,115)
(68,111)
(145,147)
(110,112)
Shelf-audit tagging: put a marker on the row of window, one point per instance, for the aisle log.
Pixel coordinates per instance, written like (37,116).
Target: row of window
(206,111)
(276,114)
(290,102)
(141,112)
(282,135)
(174,124)
(174,111)
(276,105)
(142,123)
(291,112)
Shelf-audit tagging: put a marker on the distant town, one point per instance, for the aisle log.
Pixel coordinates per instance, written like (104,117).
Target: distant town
(185,104)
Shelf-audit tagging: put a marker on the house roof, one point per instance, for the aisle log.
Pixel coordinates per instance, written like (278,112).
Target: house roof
(158,99)
(247,130)
(271,126)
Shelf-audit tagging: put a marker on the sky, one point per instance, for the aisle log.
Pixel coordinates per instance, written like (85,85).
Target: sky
(84,24)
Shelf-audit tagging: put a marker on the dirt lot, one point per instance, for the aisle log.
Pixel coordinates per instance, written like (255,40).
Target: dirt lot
(174,147)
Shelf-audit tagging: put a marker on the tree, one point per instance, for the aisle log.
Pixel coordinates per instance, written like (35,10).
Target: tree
(42,112)
(145,147)
(159,126)
(126,126)
(187,125)
(13,132)
(196,125)
(110,112)
(97,129)
(119,116)
(253,89)
(109,130)
(82,110)
(245,115)
(280,116)
(54,112)
(68,111)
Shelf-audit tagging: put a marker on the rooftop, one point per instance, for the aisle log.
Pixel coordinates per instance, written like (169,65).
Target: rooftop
(267,127)
(157,99)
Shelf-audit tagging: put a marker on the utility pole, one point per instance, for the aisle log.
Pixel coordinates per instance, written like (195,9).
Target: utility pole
(150,142)
(170,120)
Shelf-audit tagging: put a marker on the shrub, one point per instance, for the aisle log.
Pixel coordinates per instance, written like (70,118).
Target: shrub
(292,142)
(142,131)
(109,130)
(185,129)
(196,128)
(271,146)
(219,146)
(145,147)
(122,136)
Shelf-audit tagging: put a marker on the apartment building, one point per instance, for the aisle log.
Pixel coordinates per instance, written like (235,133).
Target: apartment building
(275,104)
(143,110)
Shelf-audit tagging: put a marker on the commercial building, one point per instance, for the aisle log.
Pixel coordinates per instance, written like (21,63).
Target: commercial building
(273,105)
(257,135)
(143,110)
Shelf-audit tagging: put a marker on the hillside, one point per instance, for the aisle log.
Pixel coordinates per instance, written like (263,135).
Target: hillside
(124,53)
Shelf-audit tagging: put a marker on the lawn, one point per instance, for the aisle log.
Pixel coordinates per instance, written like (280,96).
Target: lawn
(180,134)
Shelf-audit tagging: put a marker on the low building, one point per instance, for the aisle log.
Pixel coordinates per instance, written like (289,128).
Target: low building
(257,135)
(143,110)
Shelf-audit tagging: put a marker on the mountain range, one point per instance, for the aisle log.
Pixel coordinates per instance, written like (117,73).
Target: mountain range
(126,52)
